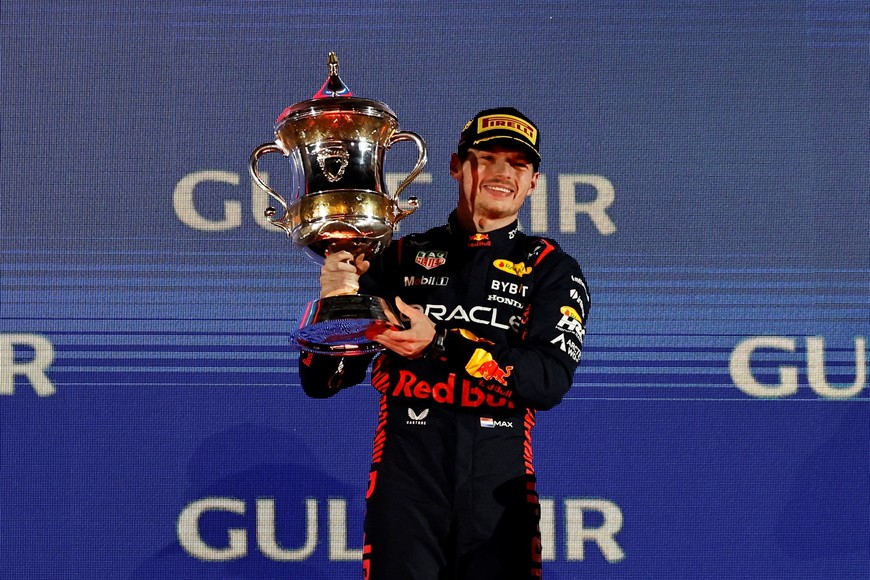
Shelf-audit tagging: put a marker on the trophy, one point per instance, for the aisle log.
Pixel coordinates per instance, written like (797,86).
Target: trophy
(336,144)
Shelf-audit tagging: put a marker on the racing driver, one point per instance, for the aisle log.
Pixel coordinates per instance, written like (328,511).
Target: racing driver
(495,321)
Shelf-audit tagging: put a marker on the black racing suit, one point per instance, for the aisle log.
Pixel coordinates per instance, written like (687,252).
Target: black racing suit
(452,487)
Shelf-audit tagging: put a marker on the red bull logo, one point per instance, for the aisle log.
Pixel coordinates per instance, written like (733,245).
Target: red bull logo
(479,240)
(450,392)
(492,372)
(483,366)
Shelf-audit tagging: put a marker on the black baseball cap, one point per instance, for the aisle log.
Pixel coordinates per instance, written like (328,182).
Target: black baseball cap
(504,125)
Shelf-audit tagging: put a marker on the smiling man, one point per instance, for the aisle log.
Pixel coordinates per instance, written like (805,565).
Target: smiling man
(495,325)
(496,166)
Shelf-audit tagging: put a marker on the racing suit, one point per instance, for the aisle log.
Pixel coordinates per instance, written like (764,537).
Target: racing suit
(452,487)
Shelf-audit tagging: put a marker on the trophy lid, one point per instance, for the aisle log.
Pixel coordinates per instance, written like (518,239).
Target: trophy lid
(334,95)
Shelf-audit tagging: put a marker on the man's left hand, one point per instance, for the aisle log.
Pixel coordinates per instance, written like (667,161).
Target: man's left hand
(412,341)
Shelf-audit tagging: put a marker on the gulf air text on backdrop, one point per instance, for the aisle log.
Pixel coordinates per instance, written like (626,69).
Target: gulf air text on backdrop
(786,383)
(587,523)
(578,195)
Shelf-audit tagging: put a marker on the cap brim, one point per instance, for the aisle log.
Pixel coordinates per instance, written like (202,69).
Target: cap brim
(507,139)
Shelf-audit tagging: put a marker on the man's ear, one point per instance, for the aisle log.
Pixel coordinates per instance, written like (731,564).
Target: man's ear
(455,165)
(534,185)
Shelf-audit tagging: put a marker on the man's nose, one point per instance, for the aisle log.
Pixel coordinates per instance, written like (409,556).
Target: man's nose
(501,167)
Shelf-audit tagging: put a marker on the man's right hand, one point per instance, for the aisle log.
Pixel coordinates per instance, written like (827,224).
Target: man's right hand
(340,274)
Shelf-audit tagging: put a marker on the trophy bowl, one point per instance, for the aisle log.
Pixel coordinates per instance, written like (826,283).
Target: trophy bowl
(337,144)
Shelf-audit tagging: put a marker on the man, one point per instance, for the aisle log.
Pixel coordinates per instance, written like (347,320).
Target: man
(495,324)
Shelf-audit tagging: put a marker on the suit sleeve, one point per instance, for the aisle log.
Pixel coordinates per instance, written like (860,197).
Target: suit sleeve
(538,370)
(323,375)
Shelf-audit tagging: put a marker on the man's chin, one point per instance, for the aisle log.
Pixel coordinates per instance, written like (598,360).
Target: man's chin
(498,209)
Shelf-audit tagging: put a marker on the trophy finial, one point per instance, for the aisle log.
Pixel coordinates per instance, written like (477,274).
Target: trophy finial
(334,86)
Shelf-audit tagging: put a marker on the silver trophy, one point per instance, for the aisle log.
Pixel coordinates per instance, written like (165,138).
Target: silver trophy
(336,144)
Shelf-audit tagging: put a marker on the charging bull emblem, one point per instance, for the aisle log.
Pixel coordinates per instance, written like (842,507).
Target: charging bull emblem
(483,366)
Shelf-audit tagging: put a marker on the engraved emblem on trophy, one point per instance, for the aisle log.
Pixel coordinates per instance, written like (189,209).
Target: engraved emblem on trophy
(337,144)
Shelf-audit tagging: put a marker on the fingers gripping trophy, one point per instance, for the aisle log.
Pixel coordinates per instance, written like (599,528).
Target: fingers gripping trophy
(336,144)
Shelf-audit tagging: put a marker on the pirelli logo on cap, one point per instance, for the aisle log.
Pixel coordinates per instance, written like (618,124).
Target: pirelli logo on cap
(509,122)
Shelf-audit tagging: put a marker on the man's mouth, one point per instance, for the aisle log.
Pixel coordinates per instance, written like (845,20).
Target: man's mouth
(498,189)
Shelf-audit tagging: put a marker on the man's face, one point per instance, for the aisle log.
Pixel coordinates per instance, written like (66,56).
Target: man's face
(493,183)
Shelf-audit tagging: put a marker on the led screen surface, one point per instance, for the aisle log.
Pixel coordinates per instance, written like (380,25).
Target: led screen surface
(707,164)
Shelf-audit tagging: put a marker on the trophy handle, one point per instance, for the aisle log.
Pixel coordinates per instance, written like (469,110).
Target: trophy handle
(283,221)
(421,162)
